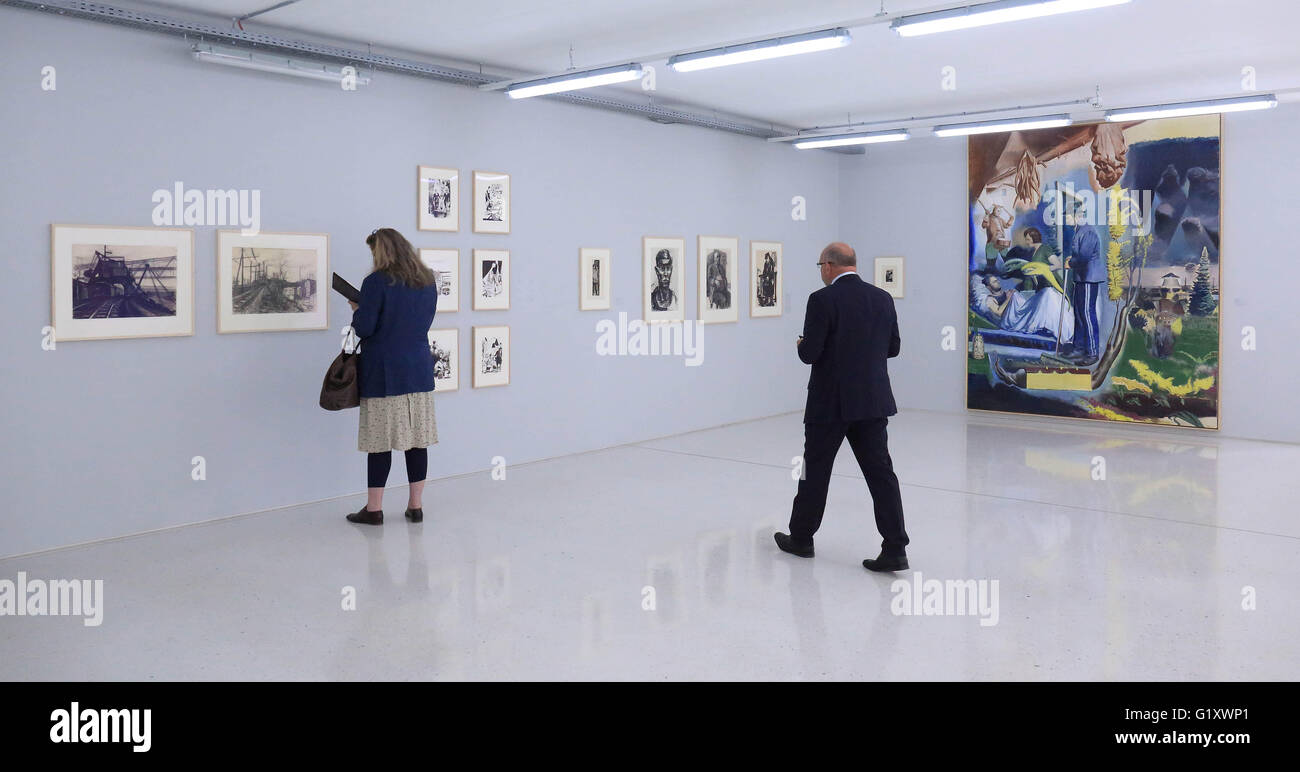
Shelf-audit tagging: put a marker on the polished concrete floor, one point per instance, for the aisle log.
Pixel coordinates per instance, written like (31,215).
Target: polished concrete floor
(1182,564)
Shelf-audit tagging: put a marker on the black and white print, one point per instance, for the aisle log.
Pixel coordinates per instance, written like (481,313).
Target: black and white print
(593,279)
(271,282)
(719,267)
(765,278)
(662,278)
(491,356)
(438,199)
(444,346)
(491,280)
(445,264)
(491,202)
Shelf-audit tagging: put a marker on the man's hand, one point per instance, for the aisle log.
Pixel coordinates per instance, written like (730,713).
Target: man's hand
(354,305)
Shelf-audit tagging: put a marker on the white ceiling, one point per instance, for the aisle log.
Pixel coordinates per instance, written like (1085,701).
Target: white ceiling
(1147,51)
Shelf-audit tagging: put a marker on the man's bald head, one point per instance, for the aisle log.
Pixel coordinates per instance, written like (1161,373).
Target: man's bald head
(840,254)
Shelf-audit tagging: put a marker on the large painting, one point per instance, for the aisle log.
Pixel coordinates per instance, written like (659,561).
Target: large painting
(121,282)
(271,282)
(1093,272)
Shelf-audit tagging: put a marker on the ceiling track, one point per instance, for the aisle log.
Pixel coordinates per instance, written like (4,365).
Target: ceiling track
(233,36)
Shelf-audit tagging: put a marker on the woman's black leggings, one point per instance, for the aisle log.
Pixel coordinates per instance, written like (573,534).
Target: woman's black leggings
(378,464)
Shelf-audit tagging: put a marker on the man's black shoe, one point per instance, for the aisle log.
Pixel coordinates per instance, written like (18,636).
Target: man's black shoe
(886,563)
(787,544)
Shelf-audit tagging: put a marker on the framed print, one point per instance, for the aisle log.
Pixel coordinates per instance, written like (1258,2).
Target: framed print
(491,279)
(121,282)
(491,202)
(765,278)
(719,269)
(438,198)
(271,282)
(663,265)
(889,275)
(593,279)
(445,264)
(444,345)
(491,356)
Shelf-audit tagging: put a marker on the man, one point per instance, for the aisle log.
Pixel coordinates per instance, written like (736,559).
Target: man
(662,297)
(850,329)
(1033,251)
(1090,274)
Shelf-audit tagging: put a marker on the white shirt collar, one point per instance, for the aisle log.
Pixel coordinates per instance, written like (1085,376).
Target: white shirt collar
(841,276)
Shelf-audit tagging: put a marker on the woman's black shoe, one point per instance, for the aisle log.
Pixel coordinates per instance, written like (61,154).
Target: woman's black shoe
(366,517)
(415,515)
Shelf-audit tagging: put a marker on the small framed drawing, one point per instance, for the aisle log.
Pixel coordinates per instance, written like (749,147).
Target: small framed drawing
(438,198)
(121,282)
(663,265)
(765,279)
(719,270)
(889,275)
(445,264)
(491,279)
(491,356)
(593,279)
(271,282)
(491,202)
(444,345)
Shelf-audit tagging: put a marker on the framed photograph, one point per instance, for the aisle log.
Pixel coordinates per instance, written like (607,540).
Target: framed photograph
(444,344)
(438,198)
(719,271)
(491,356)
(594,287)
(765,278)
(491,279)
(272,282)
(445,264)
(889,275)
(663,268)
(121,282)
(491,202)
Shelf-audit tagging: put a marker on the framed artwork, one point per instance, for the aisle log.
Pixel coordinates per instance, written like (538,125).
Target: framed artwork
(719,270)
(889,275)
(765,278)
(491,279)
(121,282)
(663,265)
(594,285)
(444,345)
(445,264)
(438,198)
(1092,277)
(271,282)
(491,356)
(491,202)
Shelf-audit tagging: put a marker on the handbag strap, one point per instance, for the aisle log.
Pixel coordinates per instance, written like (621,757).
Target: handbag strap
(351,343)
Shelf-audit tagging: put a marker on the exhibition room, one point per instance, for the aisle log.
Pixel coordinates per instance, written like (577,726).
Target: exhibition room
(449,341)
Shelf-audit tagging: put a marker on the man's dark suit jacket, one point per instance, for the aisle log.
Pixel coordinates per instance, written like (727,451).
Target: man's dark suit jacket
(849,331)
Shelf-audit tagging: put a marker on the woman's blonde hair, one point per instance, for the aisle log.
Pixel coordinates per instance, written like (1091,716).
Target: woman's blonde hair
(395,256)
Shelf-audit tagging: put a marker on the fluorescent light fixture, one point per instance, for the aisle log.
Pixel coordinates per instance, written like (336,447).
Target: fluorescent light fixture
(1009,124)
(1206,107)
(762,49)
(991,13)
(839,140)
(571,81)
(249,61)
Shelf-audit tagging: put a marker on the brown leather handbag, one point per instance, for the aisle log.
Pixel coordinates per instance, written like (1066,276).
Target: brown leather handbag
(341,388)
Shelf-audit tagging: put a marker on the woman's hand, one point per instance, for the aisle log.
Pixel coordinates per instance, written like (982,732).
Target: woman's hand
(354,305)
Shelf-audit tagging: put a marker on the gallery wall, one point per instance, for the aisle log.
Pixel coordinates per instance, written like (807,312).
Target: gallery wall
(100,435)
(910,200)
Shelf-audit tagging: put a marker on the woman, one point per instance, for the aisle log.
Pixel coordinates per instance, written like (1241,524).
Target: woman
(1044,312)
(398,301)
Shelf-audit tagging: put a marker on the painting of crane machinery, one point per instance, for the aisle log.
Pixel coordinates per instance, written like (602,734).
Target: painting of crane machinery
(121,282)
(271,281)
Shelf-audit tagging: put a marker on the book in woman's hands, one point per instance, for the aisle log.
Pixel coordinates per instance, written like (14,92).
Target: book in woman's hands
(346,290)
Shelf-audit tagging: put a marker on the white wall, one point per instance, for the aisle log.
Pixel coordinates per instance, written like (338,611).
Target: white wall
(99,435)
(910,200)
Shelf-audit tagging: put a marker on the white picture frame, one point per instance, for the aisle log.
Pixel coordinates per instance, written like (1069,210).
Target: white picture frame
(663,296)
(491,355)
(491,268)
(437,199)
(444,345)
(718,280)
(272,282)
(889,275)
(445,264)
(109,282)
(491,202)
(594,279)
(766,278)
